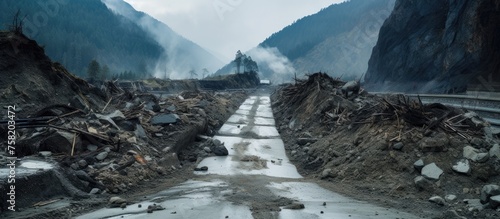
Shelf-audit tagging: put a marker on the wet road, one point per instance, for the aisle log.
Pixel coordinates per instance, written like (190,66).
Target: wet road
(256,180)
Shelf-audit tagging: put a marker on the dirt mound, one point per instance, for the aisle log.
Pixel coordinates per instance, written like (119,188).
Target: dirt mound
(379,144)
(31,81)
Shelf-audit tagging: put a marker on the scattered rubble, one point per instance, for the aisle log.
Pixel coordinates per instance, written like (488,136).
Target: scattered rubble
(108,138)
(391,145)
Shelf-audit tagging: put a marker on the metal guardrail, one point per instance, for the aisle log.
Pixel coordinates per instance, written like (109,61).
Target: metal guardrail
(486,106)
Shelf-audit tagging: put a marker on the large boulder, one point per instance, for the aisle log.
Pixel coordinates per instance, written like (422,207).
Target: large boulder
(61,142)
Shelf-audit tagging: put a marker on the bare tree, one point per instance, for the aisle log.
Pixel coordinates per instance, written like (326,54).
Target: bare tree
(193,74)
(17,23)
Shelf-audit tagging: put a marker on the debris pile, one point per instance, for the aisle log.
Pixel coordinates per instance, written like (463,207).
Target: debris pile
(31,81)
(115,149)
(108,138)
(389,144)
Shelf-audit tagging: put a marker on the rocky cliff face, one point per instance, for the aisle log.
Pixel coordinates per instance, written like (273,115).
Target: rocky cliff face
(437,46)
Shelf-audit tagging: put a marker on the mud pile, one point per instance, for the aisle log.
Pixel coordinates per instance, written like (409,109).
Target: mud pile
(389,146)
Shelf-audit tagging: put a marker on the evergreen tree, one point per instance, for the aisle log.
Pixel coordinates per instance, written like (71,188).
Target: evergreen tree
(93,70)
(104,72)
(238,60)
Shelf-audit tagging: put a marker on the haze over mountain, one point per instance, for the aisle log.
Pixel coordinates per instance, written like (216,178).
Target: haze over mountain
(179,54)
(76,32)
(337,40)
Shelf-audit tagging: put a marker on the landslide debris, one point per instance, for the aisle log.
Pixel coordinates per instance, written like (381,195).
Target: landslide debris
(388,146)
(31,81)
(106,140)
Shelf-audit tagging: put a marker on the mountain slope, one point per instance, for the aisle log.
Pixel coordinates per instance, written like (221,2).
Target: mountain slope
(77,31)
(338,39)
(438,46)
(180,55)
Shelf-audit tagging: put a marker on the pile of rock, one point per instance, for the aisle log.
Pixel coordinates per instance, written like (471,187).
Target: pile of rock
(386,142)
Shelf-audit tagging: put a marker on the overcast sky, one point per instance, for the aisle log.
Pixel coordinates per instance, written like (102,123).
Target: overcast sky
(225,26)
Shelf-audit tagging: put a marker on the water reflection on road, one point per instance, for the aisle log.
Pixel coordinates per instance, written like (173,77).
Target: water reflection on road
(256,172)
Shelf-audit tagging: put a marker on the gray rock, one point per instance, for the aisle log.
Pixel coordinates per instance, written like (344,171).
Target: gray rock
(82,163)
(432,171)
(462,166)
(128,105)
(474,204)
(83,176)
(220,150)
(171,108)
(353,86)
(495,151)
(434,144)
(61,142)
(398,146)
(116,201)
(165,119)
(207,149)
(92,147)
(423,184)
(140,132)
(127,125)
(202,113)
(116,115)
(450,197)
(45,153)
(326,173)
(419,164)
(304,141)
(295,206)
(170,160)
(203,168)
(438,200)
(152,106)
(158,134)
(74,166)
(94,191)
(482,157)
(470,153)
(487,191)
(495,201)
(101,156)
(217,142)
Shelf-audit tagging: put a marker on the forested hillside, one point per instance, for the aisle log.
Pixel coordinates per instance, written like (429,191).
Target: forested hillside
(76,32)
(114,34)
(180,56)
(337,40)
